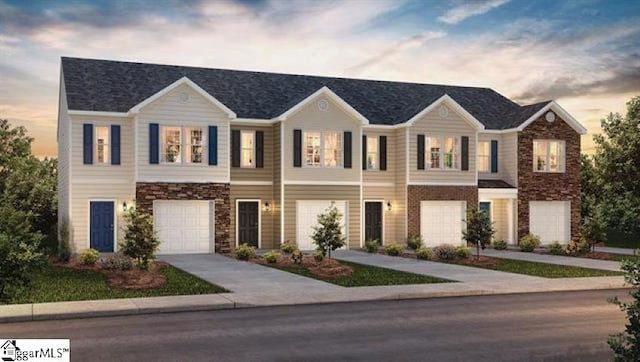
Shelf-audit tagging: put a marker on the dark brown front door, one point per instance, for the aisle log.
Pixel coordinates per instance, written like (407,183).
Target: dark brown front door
(248,219)
(373,221)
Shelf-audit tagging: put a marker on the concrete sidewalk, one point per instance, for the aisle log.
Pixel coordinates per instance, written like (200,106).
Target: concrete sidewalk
(554,259)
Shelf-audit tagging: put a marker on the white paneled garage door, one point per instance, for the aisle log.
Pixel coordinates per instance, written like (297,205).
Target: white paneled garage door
(441,222)
(184,227)
(550,220)
(307,217)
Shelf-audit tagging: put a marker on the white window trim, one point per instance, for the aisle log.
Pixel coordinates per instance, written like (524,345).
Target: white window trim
(95,145)
(562,156)
(488,170)
(322,148)
(253,150)
(183,144)
(441,139)
(377,151)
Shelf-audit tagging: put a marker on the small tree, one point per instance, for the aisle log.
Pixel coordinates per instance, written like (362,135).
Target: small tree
(593,230)
(328,234)
(626,345)
(479,229)
(140,241)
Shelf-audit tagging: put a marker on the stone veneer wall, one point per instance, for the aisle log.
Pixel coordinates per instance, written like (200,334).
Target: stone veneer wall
(540,186)
(146,192)
(415,194)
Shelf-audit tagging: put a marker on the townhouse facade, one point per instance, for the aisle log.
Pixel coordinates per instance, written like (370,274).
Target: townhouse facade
(222,158)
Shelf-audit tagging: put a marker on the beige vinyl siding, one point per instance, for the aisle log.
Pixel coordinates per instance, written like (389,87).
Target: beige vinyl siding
(197,111)
(64,169)
(499,210)
(277,183)
(400,208)
(295,193)
(509,158)
(310,118)
(432,124)
(380,176)
(263,193)
(256,174)
(384,195)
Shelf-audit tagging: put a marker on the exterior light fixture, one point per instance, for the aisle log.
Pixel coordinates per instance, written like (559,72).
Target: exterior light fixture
(266,207)
(124,206)
(388,205)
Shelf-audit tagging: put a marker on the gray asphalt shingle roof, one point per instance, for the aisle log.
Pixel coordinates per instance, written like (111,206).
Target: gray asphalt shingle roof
(113,86)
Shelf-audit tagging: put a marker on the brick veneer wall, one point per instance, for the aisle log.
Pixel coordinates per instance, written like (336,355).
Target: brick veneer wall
(147,192)
(415,194)
(540,186)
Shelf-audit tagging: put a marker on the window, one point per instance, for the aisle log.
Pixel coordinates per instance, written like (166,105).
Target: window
(548,156)
(372,153)
(195,145)
(484,156)
(443,153)
(171,142)
(102,144)
(247,149)
(312,148)
(433,152)
(450,153)
(332,149)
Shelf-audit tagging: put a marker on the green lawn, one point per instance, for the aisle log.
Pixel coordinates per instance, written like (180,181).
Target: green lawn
(365,276)
(56,284)
(547,270)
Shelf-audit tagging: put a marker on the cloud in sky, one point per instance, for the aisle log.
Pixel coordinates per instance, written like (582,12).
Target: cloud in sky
(469,9)
(587,59)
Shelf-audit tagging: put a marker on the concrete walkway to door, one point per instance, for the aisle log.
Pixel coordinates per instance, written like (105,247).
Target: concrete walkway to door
(244,277)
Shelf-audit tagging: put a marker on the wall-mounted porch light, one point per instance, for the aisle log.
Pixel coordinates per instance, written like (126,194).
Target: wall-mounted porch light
(125,207)
(388,205)
(266,207)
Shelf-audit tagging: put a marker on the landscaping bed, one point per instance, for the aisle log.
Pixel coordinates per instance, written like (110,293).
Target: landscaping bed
(599,255)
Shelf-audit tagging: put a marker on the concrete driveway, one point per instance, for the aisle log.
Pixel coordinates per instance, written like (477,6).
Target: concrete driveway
(244,277)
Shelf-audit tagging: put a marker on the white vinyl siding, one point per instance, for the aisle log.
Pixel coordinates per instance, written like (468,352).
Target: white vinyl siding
(507,157)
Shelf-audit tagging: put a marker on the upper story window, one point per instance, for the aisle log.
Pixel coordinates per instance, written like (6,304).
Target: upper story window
(322,149)
(548,156)
(443,152)
(195,145)
(372,153)
(171,138)
(484,156)
(102,144)
(247,149)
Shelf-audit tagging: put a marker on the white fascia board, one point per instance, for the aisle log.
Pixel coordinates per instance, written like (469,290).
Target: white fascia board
(497,193)
(473,121)
(385,126)
(568,118)
(328,93)
(253,121)
(73,112)
(194,86)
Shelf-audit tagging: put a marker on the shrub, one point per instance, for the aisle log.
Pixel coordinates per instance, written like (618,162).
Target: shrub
(288,247)
(328,234)
(140,241)
(245,252)
(64,248)
(117,261)
(371,245)
(556,248)
(445,252)
(529,243)
(318,255)
(393,249)
(414,241)
(500,245)
(296,256)
(88,256)
(463,252)
(583,247)
(271,256)
(626,345)
(423,253)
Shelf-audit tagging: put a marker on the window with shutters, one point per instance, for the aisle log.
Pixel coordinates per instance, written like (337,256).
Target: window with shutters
(484,156)
(443,152)
(101,144)
(247,149)
(195,145)
(322,149)
(372,153)
(171,138)
(312,148)
(548,156)
(332,144)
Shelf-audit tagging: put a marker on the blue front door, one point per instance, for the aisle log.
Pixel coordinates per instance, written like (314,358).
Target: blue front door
(101,225)
(486,207)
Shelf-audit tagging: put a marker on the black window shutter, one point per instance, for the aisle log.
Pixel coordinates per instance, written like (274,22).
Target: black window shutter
(213,145)
(382,148)
(494,156)
(347,149)
(297,148)
(115,145)
(154,148)
(465,153)
(420,152)
(259,149)
(87,144)
(364,152)
(235,148)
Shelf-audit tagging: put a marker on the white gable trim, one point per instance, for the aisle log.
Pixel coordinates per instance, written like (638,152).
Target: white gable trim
(72,112)
(572,122)
(194,86)
(330,94)
(452,103)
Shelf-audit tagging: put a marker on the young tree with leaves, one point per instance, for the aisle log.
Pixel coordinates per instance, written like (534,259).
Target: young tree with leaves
(479,229)
(328,234)
(140,241)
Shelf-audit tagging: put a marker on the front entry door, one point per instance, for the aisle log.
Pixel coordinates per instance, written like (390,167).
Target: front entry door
(248,220)
(101,226)
(373,221)
(485,206)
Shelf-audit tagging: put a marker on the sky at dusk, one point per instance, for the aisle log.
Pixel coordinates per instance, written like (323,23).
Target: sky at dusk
(584,54)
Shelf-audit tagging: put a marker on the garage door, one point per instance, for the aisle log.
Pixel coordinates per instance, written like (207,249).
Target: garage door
(184,227)
(307,217)
(441,222)
(550,220)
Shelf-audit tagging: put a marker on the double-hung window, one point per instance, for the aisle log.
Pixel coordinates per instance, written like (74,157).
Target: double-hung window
(312,142)
(102,144)
(332,145)
(451,153)
(372,153)
(195,145)
(443,152)
(433,152)
(484,156)
(171,138)
(548,156)
(322,149)
(247,149)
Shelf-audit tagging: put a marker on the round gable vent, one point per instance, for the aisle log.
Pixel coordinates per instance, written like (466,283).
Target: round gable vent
(443,111)
(550,116)
(323,105)
(183,97)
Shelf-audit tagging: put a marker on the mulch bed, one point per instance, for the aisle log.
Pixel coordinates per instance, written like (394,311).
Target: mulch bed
(134,279)
(599,255)
(327,268)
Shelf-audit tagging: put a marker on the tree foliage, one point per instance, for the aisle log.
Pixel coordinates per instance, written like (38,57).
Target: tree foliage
(626,345)
(479,229)
(328,234)
(140,241)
